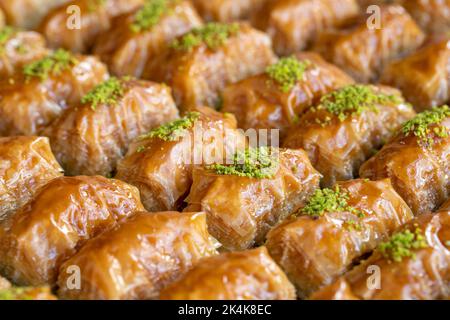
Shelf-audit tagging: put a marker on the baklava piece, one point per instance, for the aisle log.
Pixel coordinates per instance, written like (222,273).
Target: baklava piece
(424,76)
(138,37)
(276,98)
(226,10)
(39,93)
(347,127)
(28,13)
(139,257)
(335,229)
(51,227)
(202,62)
(90,138)
(18,48)
(245,199)
(160,162)
(417,160)
(26,164)
(294,24)
(413,264)
(246,275)
(77,25)
(363,51)
(432,15)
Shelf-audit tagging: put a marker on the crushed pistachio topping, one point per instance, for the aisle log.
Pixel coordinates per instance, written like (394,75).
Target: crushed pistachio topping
(260,163)
(213,35)
(5,34)
(329,200)
(287,71)
(108,92)
(420,125)
(172,131)
(15,294)
(402,244)
(353,100)
(93,5)
(53,64)
(149,15)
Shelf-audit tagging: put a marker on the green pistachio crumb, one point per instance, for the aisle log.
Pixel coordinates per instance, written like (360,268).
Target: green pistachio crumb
(260,163)
(353,100)
(16,293)
(420,125)
(5,34)
(287,71)
(108,92)
(172,131)
(93,5)
(149,15)
(329,200)
(402,244)
(140,149)
(213,35)
(53,64)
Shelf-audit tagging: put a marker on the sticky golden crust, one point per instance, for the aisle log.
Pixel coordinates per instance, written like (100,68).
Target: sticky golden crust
(432,15)
(61,216)
(424,76)
(423,277)
(21,48)
(27,106)
(294,24)
(241,210)
(246,275)
(147,252)
(314,251)
(338,148)
(126,51)
(162,170)
(419,174)
(226,10)
(259,103)
(199,75)
(91,141)
(363,52)
(26,164)
(95,17)
(445,206)
(27,13)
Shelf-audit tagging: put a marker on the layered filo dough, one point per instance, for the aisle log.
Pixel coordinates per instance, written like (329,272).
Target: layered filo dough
(61,216)
(363,51)
(261,102)
(294,24)
(421,273)
(347,127)
(226,10)
(77,24)
(146,252)
(28,13)
(18,48)
(201,63)
(424,76)
(36,95)
(161,165)
(245,275)
(322,242)
(241,208)
(90,138)
(26,164)
(432,15)
(417,160)
(128,44)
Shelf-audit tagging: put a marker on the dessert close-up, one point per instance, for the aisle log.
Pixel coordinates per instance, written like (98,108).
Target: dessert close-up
(225,150)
